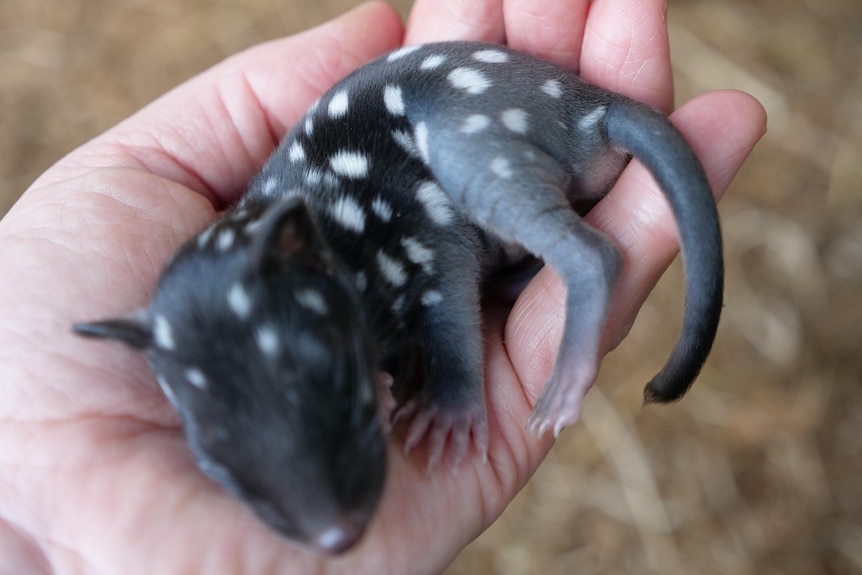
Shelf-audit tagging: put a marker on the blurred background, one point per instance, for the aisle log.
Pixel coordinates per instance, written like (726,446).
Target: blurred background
(759,469)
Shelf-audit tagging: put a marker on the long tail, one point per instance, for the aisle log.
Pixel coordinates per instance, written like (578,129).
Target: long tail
(651,138)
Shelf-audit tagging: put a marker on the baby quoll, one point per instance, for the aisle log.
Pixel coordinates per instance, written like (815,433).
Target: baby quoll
(359,251)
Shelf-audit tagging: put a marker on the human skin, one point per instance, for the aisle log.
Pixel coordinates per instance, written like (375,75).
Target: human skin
(95,476)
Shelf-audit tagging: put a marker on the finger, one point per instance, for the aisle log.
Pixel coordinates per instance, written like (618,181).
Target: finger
(633,59)
(722,128)
(553,31)
(445,20)
(214,132)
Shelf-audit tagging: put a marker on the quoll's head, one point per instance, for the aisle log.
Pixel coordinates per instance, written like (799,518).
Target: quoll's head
(257,338)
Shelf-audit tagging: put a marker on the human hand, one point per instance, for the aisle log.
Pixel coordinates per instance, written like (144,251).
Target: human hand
(95,475)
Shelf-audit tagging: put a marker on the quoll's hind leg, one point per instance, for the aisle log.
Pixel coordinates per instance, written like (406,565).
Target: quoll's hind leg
(450,408)
(589,265)
(522,199)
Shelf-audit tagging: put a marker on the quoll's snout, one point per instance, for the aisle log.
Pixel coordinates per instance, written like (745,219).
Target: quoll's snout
(342,536)
(331,534)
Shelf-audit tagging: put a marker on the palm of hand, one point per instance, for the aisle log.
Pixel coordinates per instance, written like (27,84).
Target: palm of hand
(96,475)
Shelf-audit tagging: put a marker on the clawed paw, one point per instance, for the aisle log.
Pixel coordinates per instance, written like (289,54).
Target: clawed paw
(447,431)
(540,421)
(558,407)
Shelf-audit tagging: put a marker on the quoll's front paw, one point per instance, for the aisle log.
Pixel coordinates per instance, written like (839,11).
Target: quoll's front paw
(447,430)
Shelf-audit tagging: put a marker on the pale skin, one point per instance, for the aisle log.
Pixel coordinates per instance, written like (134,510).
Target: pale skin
(94,473)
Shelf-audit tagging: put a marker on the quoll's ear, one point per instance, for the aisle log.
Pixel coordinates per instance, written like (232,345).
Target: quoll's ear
(129,331)
(288,229)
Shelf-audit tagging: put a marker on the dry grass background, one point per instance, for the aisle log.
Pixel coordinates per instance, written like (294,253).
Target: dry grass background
(759,469)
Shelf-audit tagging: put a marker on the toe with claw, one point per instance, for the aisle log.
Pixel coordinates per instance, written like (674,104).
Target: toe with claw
(448,431)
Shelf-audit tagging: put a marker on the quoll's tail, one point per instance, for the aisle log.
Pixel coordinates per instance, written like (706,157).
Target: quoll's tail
(651,138)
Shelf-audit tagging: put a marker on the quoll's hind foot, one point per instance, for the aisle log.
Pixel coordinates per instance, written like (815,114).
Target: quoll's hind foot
(559,405)
(447,430)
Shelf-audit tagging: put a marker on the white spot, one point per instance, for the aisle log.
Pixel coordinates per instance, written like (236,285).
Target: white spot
(204,237)
(225,239)
(296,153)
(491,56)
(309,126)
(394,100)
(552,88)
(501,167)
(361,281)
(432,62)
(516,120)
(419,254)
(431,297)
(239,301)
(382,209)
(252,226)
(311,299)
(470,80)
(398,304)
(339,104)
(405,140)
(267,340)
(166,388)
(163,333)
(196,377)
(401,52)
(269,185)
(475,123)
(348,213)
(591,119)
(436,203)
(349,164)
(421,136)
(313,177)
(391,269)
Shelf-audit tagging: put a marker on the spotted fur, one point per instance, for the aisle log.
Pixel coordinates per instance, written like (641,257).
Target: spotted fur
(360,250)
